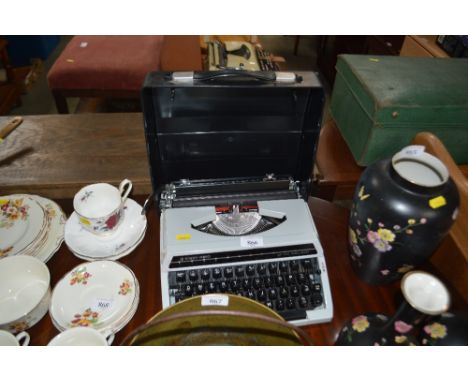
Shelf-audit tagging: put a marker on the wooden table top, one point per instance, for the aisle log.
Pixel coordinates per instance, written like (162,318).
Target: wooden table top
(350,295)
(55,155)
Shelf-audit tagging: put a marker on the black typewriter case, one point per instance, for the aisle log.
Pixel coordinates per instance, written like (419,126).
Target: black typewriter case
(228,132)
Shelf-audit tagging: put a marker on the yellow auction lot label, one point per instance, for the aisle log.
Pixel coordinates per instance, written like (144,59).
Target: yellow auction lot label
(183,236)
(437,202)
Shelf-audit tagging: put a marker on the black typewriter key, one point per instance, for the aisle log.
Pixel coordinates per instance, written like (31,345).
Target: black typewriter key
(217,273)
(235,285)
(193,275)
(228,272)
(280,305)
(250,270)
(317,287)
(272,294)
(279,280)
(294,264)
(318,271)
(261,295)
(199,288)
(246,284)
(205,274)
(180,277)
(290,303)
(269,304)
(250,294)
(290,279)
(302,278)
(223,286)
(257,282)
(212,287)
(316,299)
(302,302)
(178,297)
(188,290)
(294,291)
(283,266)
(240,271)
(307,264)
(261,269)
(305,290)
(267,282)
(273,268)
(283,292)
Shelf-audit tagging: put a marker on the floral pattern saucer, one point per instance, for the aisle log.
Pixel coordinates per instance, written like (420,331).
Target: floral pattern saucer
(122,242)
(103,295)
(51,231)
(22,222)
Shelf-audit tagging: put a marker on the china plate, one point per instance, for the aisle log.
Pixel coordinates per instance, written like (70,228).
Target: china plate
(102,294)
(117,256)
(22,222)
(51,241)
(124,238)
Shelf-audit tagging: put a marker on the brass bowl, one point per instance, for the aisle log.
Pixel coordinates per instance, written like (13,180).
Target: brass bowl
(242,322)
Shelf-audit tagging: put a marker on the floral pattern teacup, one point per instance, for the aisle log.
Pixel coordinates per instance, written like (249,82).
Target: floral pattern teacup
(100,206)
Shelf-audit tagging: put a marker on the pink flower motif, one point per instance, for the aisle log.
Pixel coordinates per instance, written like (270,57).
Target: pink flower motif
(396,227)
(372,236)
(423,221)
(381,225)
(402,327)
(385,272)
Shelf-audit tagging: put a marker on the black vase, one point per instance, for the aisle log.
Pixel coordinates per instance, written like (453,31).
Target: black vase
(448,329)
(424,296)
(402,209)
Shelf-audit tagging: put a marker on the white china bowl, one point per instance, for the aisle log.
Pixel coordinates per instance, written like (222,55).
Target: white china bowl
(102,295)
(24,292)
(81,336)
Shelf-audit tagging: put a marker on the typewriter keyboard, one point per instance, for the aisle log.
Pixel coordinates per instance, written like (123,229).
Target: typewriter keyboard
(289,287)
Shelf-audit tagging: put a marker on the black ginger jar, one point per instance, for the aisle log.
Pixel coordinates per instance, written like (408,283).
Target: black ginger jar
(402,209)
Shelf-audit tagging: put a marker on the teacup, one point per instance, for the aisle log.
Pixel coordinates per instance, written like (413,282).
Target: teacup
(8,339)
(100,206)
(81,336)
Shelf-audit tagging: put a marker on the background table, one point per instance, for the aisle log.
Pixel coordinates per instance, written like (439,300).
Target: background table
(351,296)
(55,155)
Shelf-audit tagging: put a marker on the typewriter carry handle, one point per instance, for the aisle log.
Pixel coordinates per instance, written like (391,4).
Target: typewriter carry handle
(234,74)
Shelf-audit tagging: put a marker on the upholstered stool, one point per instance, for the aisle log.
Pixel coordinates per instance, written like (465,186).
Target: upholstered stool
(115,66)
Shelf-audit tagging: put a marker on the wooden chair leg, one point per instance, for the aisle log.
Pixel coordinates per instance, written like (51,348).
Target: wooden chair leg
(60,103)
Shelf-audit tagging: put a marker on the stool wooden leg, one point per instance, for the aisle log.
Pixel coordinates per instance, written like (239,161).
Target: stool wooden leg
(60,103)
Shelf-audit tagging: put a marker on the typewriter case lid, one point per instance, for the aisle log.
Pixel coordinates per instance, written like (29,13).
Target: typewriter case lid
(231,131)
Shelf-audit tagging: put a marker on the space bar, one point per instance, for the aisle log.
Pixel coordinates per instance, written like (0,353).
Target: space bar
(295,314)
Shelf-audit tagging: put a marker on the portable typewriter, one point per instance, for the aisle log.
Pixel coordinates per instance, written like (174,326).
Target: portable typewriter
(238,55)
(231,154)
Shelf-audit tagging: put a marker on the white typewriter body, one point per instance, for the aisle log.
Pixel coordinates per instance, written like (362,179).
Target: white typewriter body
(178,238)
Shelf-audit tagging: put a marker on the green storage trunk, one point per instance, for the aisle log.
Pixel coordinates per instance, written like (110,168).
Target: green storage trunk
(380,103)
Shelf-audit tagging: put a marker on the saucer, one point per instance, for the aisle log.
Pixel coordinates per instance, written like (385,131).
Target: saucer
(103,295)
(50,240)
(115,245)
(22,223)
(114,257)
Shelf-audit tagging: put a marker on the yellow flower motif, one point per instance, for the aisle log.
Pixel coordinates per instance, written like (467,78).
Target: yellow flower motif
(360,323)
(400,339)
(411,221)
(369,220)
(85,221)
(436,330)
(3,201)
(386,234)
(352,236)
